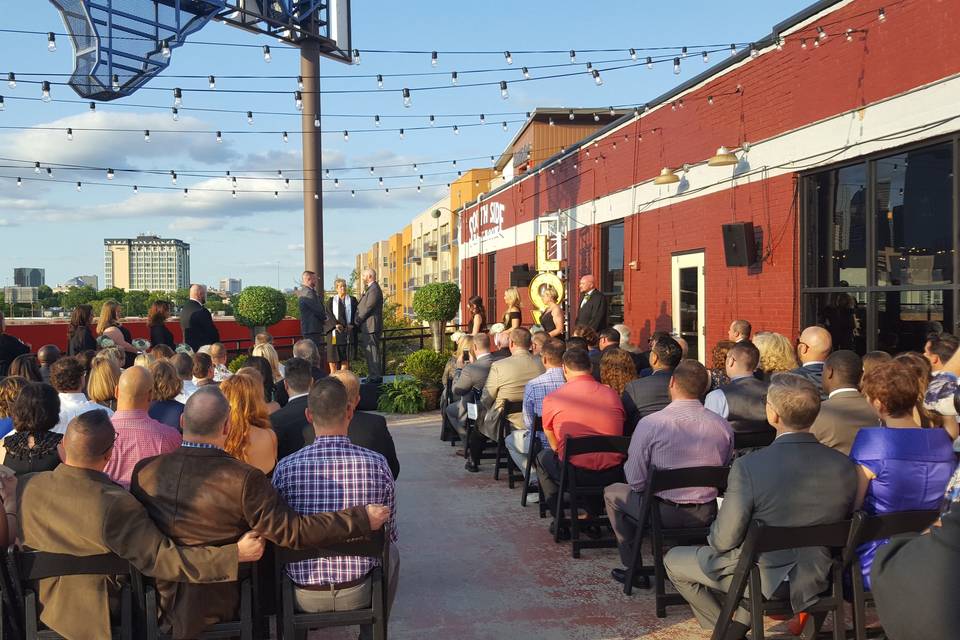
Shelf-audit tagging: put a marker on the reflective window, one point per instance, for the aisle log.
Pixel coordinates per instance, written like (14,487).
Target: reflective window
(904,318)
(611,269)
(837,229)
(843,314)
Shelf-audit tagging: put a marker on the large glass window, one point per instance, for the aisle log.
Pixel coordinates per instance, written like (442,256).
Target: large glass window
(611,268)
(837,210)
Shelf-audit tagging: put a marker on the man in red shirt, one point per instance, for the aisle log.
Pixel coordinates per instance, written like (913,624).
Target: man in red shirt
(581,407)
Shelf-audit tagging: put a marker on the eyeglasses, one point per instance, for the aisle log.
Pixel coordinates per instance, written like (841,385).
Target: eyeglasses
(116,434)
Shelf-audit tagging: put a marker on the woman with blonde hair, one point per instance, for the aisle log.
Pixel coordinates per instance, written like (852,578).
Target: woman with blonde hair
(9,390)
(102,382)
(776,353)
(249,438)
(512,317)
(109,326)
(268,353)
(617,369)
(552,317)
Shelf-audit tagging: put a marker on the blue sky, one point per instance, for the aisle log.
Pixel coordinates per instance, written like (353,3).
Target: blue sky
(259,238)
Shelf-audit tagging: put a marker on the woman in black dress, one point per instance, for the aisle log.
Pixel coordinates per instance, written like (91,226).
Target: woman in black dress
(512,317)
(109,326)
(478,322)
(33,446)
(551,319)
(159,334)
(10,347)
(341,311)
(79,336)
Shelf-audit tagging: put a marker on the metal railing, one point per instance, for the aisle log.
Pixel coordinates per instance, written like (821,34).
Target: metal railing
(429,250)
(445,242)
(413,257)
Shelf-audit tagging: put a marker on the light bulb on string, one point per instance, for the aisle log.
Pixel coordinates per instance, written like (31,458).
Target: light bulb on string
(219,137)
(146,136)
(51,42)
(483,119)
(316,196)
(550,121)
(433,121)
(421,178)
(781,41)
(346,135)
(276,195)
(298,100)
(849,34)
(233,194)
(165,49)
(19,182)
(508,57)
(336,182)
(379,81)
(881,14)
(93,106)
(733,50)
(456,130)
(503,90)
(803,43)
(110,174)
(356,56)
(633,54)
(2,104)
(596,117)
(407,100)
(266,53)
(177,97)
(175,113)
(372,170)
(816,43)
(503,125)
(418,188)
(526,73)
(683,52)
(433,59)
(376,121)
(706,57)
(299,83)
(286,183)
(710,100)
(115,83)
(453,78)
(173,177)
(821,34)
(285,137)
(596,78)
(676,66)
(353,193)
(49,172)
(45,91)
(250,118)
(571,115)
(69,134)
(186,193)
(401,134)
(12,80)
(754,52)
(380,181)
(589,66)
(316,122)
(573,56)
(212,82)
(79,186)
(36,167)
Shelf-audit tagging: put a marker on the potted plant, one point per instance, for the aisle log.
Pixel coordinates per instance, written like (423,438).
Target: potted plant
(426,367)
(437,303)
(259,308)
(401,396)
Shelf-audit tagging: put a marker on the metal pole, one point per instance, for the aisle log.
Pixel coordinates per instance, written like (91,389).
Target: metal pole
(312,161)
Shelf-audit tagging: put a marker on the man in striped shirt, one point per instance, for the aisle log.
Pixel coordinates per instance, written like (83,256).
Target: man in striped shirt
(684,434)
(329,475)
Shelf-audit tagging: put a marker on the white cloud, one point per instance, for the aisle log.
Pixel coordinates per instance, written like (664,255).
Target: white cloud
(295,247)
(7,223)
(192,224)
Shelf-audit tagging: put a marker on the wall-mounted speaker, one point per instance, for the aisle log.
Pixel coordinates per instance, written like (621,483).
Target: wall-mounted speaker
(739,244)
(521,275)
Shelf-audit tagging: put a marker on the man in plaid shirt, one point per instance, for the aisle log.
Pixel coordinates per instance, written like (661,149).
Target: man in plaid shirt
(329,475)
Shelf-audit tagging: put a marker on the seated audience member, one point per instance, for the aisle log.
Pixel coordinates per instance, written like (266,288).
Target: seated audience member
(184,365)
(26,366)
(920,372)
(114,354)
(625,343)
(577,342)
(592,338)
(203,370)
(684,434)
(200,495)
(164,407)
(270,389)
(873,358)
(537,340)
(367,430)
(739,331)
(500,347)
(263,338)
(913,579)
(845,411)
(268,353)
(11,347)
(218,354)
(162,352)
(250,437)
(307,350)
(328,475)
(616,369)
(10,388)
(643,364)
(742,401)
(33,445)
(102,518)
(938,396)
(684,347)
(644,396)
(46,356)
(718,359)
(138,435)
(776,353)
(144,360)
(581,407)
(518,442)
(774,484)
(505,382)
(67,377)
(457,359)
(290,423)
(102,382)
(469,382)
(85,358)
(813,348)
(901,466)
(607,339)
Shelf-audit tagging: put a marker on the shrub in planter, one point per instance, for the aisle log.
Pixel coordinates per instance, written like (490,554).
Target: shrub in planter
(401,396)
(436,303)
(238,362)
(259,307)
(426,366)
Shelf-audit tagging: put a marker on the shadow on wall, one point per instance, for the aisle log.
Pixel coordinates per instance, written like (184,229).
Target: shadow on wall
(663,322)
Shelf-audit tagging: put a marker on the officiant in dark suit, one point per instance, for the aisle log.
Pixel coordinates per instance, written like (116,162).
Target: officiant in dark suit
(369,321)
(593,305)
(340,329)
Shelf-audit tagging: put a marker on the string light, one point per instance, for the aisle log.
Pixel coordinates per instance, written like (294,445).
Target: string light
(421,178)
(299,82)
(676,66)
(379,81)
(173,177)
(285,137)
(146,136)
(356,56)
(336,182)
(186,192)
(276,195)
(821,34)
(453,78)
(353,193)
(754,52)
(376,121)
(433,121)
(433,59)
(2,104)
(706,57)
(212,82)
(266,54)
(51,42)
(526,73)
(49,172)
(407,100)
(286,183)
(69,134)
(509,58)
(503,125)
(803,43)
(12,80)
(733,50)
(881,14)
(298,100)
(219,137)
(633,54)
(849,35)
(165,49)
(649,62)
(176,114)
(503,90)
(45,91)
(79,186)
(456,130)
(781,41)
(136,189)
(110,174)
(346,135)
(683,52)
(115,83)
(93,106)
(596,78)
(380,181)
(571,115)
(250,118)
(233,194)
(177,97)
(596,117)
(19,182)
(36,167)
(401,134)
(573,56)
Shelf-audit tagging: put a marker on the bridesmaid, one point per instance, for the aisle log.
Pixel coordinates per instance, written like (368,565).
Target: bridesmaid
(512,317)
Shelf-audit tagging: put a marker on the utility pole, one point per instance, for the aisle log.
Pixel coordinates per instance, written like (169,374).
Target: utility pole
(312,160)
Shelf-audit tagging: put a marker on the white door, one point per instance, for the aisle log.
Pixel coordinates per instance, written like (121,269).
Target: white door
(689,308)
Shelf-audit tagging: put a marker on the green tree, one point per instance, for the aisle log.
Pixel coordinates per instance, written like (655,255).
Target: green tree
(113,293)
(180,297)
(260,307)
(293,305)
(47,297)
(135,303)
(76,296)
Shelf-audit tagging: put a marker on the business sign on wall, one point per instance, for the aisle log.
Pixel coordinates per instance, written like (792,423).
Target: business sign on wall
(486,221)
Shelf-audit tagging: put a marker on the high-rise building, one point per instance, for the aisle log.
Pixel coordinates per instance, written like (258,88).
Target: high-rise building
(28,277)
(231,286)
(146,262)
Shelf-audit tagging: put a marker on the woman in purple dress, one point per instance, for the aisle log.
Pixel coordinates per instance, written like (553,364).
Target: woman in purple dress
(901,466)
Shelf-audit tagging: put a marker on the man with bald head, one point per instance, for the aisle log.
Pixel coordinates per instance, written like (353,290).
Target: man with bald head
(196,321)
(813,347)
(138,435)
(46,356)
(593,305)
(76,509)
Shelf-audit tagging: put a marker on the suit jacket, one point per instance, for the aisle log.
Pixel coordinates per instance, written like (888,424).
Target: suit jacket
(644,396)
(472,376)
(841,417)
(197,325)
(206,496)
(289,423)
(313,317)
(369,430)
(370,310)
(506,381)
(331,317)
(593,312)
(910,580)
(794,482)
(81,512)
(813,373)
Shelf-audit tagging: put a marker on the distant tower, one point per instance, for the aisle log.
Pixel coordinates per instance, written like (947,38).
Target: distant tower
(146,263)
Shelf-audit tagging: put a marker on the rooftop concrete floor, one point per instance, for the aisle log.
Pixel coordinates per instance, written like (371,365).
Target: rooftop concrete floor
(477,565)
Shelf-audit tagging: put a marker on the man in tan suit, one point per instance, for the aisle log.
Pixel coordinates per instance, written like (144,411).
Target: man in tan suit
(199,494)
(77,510)
(506,381)
(845,411)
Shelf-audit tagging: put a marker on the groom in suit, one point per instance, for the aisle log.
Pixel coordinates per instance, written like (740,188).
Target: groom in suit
(369,321)
(593,305)
(794,482)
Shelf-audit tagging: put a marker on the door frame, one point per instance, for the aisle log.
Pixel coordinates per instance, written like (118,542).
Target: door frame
(687,260)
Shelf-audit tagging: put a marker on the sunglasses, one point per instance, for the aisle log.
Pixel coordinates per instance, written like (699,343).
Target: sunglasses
(112,444)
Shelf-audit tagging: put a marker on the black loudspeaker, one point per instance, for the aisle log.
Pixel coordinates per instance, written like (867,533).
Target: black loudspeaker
(369,395)
(521,275)
(739,244)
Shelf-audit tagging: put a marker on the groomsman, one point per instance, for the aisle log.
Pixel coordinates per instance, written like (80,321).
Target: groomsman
(369,321)
(593,305)
(313,317)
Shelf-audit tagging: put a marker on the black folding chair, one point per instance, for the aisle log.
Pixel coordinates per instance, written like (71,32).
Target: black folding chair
(535,447)
(568,485)
(747,441)
(504,429)
(377,614)
(248,625)
(763,539)
(447,432)
(26,567)
(664,480)
(867,529)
